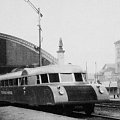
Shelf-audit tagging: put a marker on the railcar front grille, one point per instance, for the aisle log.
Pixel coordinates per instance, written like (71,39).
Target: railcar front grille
(80,93)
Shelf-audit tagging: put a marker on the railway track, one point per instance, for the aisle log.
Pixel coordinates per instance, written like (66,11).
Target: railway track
(112,104)
(79,114)
(83,116)
(105,116)
(76,114)
(95,116)
(110,109)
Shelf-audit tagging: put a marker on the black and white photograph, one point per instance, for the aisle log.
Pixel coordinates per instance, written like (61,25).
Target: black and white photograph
(60,60)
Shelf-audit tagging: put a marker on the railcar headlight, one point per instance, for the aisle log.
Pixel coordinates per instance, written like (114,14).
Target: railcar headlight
(61,92)
(58,87)
(101,90)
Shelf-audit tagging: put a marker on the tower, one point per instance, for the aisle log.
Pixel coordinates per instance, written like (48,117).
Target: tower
(60,53)
(117,56)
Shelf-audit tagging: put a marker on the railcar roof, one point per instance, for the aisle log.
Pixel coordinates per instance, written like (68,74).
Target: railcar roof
(43,70)
(11,75)
(53,69)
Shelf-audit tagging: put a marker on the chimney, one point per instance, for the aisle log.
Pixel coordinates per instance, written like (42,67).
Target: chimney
(60,53)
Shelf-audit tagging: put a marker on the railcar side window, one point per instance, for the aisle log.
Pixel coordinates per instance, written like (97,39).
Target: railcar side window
(66,77)
(78,77)
(20,80)
(2,83)
(32,80)
(6,82)
(44,78)
(38,79)
(54,77)
(15,81)
(10,82)
(23,81)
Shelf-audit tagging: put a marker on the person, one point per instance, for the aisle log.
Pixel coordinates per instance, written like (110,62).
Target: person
(98,81)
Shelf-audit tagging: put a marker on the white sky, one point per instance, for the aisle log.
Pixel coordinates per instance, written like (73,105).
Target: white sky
(88,28)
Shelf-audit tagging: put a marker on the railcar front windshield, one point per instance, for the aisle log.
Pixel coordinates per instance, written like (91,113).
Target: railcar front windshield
(54,77)
(78,77)
(66,77)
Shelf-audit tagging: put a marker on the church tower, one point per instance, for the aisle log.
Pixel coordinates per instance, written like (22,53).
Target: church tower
(60,53)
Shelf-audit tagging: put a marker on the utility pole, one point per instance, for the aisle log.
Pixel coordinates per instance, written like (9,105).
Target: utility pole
(86,72)
(95,72)
(37,10)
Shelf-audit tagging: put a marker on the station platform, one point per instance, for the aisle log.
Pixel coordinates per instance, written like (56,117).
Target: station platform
(116,98)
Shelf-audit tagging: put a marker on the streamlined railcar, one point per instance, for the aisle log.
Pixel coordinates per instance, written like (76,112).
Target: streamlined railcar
(63,87)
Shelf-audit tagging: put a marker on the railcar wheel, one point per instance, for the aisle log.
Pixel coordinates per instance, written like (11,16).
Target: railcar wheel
(89,108)
(63,109)
(68,110)
(58,109)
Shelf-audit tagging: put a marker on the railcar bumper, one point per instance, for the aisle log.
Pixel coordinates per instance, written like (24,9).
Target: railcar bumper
(72,94)
(87,93)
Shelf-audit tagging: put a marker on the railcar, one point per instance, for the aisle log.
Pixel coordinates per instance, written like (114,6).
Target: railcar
(63,87)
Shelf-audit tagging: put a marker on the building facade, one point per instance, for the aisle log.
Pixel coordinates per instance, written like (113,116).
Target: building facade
(16,52)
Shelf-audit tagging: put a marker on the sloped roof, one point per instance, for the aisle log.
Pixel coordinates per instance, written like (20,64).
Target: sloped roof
(108,67)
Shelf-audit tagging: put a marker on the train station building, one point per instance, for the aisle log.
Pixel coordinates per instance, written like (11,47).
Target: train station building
(19,53)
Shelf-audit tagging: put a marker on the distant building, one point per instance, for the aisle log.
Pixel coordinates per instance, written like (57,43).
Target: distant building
(109,78)
(108,73)
(111,72)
